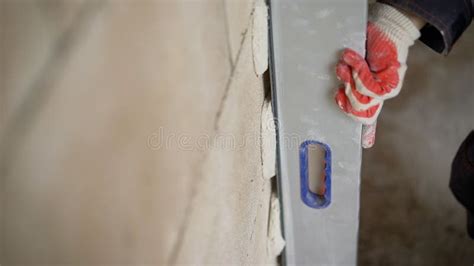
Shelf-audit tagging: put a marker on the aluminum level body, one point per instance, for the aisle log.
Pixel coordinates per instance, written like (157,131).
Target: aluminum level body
(306,38)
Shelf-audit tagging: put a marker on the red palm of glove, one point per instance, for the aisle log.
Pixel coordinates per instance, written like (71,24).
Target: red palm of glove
(367,82)
(344,73)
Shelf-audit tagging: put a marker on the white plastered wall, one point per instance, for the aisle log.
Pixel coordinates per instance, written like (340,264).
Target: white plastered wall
(116,117)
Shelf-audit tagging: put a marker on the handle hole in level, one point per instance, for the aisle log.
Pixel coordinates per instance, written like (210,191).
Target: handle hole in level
(315,168)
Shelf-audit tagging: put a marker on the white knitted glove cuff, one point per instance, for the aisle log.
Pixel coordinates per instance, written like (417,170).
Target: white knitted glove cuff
(395,24)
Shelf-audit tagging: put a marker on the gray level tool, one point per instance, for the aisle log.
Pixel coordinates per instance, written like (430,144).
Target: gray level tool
(315,139)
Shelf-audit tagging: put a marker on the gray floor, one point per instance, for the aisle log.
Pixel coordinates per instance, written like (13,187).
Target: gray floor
(409,216)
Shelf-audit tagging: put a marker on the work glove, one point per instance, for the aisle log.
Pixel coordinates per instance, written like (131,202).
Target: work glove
(379,76)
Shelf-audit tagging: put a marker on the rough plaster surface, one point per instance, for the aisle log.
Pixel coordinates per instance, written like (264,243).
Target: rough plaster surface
(408,215)
(268,141)
(238,21)
(260,37)
(276,243)
(111,153)
(233,196)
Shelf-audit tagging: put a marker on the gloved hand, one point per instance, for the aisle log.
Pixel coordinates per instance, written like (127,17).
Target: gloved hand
(370,81)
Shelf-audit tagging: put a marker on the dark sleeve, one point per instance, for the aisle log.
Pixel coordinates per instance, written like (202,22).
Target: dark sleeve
(462,179)
(446,20)
(462,174)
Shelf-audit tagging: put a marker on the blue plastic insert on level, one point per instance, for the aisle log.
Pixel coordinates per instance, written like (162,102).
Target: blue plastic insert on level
(310,198)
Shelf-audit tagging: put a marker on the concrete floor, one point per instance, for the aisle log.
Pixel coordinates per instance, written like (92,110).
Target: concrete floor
(409,216)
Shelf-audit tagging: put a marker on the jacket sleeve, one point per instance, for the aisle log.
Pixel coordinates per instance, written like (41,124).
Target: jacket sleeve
(446,20)
(462,178)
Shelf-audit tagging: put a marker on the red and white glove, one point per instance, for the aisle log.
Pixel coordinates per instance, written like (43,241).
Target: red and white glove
(371,80)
